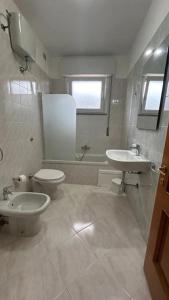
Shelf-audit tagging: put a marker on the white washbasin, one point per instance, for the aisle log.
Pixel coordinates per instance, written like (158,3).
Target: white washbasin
(125,160)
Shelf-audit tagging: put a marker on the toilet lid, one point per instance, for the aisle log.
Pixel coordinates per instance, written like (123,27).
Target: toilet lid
(49,174)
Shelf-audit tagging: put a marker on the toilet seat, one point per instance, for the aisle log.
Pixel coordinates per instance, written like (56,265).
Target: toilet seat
(49,175)
(46,181)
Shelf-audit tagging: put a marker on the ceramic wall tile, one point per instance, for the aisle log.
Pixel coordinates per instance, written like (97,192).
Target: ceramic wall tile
(20,114)
(151,142)
(91,129)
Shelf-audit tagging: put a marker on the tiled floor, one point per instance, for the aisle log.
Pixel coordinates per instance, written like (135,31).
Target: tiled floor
(89,248)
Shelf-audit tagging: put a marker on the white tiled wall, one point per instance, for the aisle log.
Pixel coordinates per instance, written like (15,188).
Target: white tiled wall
(91,129)
(78,173)
(152,142)
(19,112)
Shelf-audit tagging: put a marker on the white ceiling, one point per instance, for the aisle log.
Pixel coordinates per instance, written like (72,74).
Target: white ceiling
(85,27)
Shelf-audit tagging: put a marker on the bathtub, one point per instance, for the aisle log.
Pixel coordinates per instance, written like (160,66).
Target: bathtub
(80,172)
(98,158)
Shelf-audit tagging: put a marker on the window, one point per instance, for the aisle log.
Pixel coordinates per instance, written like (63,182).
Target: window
(152,92)
(154,95)
(22,87)
(89,94)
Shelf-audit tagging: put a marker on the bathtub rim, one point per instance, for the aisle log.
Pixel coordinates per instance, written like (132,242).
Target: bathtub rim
(74,162)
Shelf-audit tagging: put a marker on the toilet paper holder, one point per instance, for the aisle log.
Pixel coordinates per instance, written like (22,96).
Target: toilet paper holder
(16,179)
(19,179)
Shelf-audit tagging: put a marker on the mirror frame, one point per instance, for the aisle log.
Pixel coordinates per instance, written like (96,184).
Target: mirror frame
(164,90)
(152,121)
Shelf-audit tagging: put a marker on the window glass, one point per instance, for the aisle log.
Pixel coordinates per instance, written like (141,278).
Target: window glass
(87,94)
(154,95)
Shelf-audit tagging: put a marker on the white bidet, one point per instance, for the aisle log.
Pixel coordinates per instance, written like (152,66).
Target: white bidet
(23,210)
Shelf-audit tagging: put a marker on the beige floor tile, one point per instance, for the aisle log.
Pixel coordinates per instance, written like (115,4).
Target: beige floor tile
(89,242)
(57,231)
(5,237)
(4,263)
(64,296)
(106,205)
(23,286)
(25,252)
(96,284)
(58,208)
(40,280)
(101,238)
(53,284)
(128,231)
(81,217)
(72,258)
(127,266)
(73,206)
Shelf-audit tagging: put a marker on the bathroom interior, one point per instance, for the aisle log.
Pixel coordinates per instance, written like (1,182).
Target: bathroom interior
(84,150)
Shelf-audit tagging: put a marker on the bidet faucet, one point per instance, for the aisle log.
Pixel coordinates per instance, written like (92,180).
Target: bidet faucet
(137,147)
(7,192)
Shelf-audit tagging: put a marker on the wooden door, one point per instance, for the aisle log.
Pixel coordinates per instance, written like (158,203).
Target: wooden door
(157,256)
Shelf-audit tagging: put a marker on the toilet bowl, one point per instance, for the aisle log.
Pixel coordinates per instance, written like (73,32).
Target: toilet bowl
(23,211)
(47,180)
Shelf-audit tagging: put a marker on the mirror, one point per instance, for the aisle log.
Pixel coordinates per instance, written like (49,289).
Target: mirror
(153,87)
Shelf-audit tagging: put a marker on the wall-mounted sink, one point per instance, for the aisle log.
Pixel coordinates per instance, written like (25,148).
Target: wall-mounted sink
(125,160)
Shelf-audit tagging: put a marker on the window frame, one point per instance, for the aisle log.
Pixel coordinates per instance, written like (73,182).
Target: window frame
(146,80)
(104,93)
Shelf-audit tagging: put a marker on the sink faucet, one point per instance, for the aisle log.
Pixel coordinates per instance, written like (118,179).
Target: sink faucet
(137,147)
(6,192)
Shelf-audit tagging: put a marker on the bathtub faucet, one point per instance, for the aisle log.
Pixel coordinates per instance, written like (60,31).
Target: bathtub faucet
(85,148)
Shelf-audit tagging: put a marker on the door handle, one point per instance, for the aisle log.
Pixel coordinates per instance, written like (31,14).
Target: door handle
(163,170)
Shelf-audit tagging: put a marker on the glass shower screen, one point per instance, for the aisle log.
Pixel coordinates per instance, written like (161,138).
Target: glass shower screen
(59,126)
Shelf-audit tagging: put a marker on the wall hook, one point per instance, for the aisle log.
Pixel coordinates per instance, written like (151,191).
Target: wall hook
(1,154)
(25,68)
(6,17)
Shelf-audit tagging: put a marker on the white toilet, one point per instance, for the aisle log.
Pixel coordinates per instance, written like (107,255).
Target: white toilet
(47,180)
